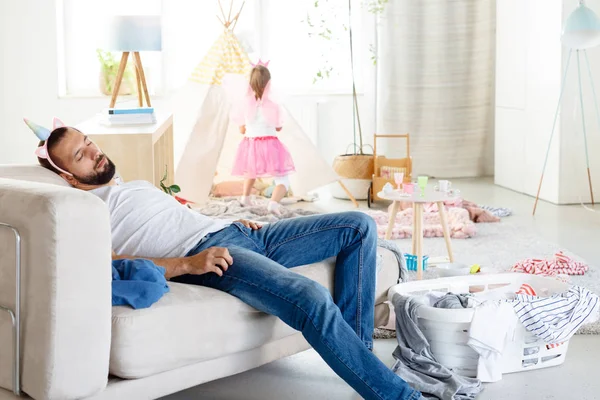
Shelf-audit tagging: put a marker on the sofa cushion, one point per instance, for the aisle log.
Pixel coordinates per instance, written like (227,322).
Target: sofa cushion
(191,324)
(31,173)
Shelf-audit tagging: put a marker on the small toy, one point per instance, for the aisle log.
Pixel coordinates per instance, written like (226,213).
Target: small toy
(475,268)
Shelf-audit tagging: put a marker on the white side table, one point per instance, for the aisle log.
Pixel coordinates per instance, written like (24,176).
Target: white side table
(140,152)
(431,196)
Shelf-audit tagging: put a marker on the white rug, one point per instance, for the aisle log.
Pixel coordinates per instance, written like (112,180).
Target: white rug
(231,208)
(497,246)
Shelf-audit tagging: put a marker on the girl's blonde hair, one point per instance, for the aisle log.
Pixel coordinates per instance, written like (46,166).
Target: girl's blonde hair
(259,77)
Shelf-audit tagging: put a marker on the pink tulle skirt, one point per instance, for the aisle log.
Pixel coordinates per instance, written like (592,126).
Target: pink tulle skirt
(262,157)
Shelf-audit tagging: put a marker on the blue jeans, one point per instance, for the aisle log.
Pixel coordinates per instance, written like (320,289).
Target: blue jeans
(340,328)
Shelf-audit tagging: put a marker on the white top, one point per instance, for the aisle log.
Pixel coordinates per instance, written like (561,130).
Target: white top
(259,126)
(146,222)
(431,196)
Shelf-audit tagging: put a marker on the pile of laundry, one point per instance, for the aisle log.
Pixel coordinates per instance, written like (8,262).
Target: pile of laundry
(561,264)
(553,319)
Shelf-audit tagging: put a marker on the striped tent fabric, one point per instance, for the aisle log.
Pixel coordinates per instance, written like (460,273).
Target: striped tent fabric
(226,56)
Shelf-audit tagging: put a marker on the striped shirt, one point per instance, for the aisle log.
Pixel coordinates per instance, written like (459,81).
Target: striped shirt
(555,319)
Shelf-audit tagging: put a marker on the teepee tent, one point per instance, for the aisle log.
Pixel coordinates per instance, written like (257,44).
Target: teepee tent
(202,110)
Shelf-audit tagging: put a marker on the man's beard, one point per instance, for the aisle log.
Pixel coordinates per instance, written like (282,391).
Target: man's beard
(99,178)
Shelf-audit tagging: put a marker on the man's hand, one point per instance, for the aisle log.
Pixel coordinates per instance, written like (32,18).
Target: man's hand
(249,224)
(213,259)
(278,129)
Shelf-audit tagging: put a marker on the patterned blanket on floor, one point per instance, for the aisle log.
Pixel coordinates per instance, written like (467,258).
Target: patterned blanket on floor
(461,226)
(231,208)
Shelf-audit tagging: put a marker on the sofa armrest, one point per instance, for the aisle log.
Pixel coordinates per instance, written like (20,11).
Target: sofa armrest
(65,289)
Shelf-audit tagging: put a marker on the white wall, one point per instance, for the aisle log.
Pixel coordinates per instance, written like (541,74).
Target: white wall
(30,86)
(529,65)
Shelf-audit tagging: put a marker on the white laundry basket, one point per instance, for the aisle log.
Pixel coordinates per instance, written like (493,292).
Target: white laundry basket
(447,330)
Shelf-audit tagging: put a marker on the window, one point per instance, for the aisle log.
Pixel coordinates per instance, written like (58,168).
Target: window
(82,37)
(273,30)
(308,43)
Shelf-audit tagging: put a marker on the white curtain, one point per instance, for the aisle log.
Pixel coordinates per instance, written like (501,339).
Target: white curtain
(435,80)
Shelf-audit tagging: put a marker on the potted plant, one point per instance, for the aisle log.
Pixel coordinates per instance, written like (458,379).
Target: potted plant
(355,166)
(109,67)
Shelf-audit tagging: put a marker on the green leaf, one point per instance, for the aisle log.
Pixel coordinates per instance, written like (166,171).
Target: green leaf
(175,188)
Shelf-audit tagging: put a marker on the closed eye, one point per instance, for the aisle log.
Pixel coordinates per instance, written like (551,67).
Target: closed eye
(87,142)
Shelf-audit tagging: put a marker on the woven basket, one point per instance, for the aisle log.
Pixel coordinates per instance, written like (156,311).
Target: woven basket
(354,166)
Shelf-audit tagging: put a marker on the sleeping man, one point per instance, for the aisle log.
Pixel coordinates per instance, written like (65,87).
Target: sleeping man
(250,262)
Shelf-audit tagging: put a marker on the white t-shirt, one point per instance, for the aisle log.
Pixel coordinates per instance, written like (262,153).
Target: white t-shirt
(259,127)
(146,222)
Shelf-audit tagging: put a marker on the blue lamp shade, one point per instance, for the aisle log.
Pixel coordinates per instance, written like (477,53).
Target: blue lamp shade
(582,29)
(135,33)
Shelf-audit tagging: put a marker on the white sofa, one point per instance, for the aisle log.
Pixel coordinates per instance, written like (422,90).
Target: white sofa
(75,345)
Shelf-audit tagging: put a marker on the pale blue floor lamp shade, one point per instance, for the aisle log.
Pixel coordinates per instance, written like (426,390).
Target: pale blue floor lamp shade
(582,29)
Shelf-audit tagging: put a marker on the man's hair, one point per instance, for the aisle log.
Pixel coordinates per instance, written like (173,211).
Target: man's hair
(56,136)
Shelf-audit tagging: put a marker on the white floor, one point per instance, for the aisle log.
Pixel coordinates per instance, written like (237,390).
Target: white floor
(306,376)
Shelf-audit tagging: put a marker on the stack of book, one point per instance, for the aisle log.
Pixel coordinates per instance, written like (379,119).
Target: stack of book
(129,116)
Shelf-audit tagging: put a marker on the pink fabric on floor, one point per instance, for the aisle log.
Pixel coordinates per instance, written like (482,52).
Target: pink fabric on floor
(560,264)
(461,227)
(476,214)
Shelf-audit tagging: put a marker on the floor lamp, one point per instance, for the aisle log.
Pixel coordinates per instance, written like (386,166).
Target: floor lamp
(132,34)
(581,32)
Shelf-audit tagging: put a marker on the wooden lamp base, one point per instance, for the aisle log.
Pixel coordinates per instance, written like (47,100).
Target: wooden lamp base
(140,79)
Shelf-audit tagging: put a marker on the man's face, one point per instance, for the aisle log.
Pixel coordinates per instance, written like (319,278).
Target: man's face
(77,154)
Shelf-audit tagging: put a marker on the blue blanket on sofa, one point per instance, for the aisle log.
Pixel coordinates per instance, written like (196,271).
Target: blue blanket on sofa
(137,283)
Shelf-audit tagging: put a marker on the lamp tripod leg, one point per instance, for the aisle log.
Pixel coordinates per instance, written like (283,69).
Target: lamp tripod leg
(587,159)
(562,87)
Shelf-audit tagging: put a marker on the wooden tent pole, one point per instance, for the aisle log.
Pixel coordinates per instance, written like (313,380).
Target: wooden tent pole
(237,16)
(230,7)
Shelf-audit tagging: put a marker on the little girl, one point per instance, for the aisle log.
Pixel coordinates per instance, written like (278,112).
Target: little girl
(261,154)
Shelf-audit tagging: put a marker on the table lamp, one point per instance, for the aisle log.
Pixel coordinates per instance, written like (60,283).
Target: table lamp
(581,31)
(132,34)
